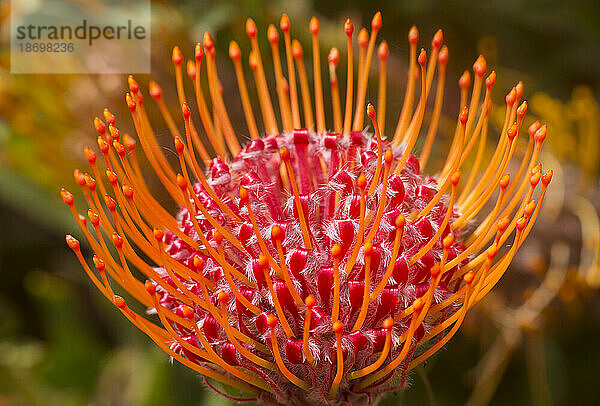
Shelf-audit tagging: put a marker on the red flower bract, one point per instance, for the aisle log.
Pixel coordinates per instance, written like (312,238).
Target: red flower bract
(309,267)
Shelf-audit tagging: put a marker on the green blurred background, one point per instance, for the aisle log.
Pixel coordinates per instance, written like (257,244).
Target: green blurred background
(62,344)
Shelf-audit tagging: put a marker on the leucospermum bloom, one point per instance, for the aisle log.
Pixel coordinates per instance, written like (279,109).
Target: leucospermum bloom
(310,266)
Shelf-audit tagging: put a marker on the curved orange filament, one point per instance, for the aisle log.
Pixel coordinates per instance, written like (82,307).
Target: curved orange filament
(286,274)
(263,88)
(445,182)
(361,225)
(487,227)
(526,164)
(489,279)
(382,87)
(338,329)
(200,176)
(164,111)
(375,182)
(263,98)
(477,84)
(391,366)
(291,72)
(434,239)
(309,301)
(363,78)
(103,287)
(243,350)
(215,94)
(222,319)
(278,309)
(481,148)
(309,121)
(235,54)
(436,43)
(208,126)
(335,90)
(280,82)
(217,142)
(319,107)
(369,369)
(413,74)
(103,277)
(437,111)
(412,133)
(260,240)
(483,119)
(363,35)
(165,178)
(390,268)
(238,295)
(135,285)
(350,79)
(162,313)
(282,368)
(362,315)
(436,275)
(285,156)
(135,104)
(335,311)
(478,277)
(464,82)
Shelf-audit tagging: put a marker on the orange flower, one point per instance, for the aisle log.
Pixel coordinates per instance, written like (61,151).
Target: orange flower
(308,267)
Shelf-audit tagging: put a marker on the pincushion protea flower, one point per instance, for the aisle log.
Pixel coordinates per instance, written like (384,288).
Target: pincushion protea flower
(309,267)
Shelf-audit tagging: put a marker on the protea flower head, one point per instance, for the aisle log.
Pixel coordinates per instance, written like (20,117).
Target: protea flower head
(310,266)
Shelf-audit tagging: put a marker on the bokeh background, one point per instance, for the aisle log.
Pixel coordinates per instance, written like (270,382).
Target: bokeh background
(534,341)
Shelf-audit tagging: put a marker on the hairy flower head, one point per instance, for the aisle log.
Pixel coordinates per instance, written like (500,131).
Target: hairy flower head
(308,266)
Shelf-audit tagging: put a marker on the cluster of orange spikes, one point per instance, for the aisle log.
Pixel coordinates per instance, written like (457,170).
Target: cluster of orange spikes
(308,266)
